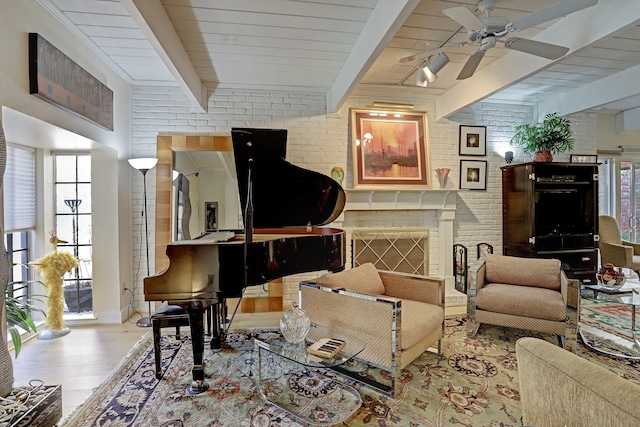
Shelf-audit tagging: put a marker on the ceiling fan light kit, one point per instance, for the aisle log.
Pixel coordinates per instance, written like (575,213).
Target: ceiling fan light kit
(488,31)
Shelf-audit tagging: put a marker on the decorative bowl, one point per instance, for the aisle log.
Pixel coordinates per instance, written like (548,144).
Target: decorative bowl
(611,277)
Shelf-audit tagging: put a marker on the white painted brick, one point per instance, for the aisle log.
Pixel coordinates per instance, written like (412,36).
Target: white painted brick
(319,143)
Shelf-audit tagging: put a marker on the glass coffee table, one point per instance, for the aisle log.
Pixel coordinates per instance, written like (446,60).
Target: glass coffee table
(286,380)
(611,339)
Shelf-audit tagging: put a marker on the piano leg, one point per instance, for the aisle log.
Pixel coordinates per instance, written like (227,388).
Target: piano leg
(196,323)
(216,333)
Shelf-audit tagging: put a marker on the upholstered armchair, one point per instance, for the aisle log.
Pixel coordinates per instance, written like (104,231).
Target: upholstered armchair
(613,249)
(399,316)
(558,388)
(524,293)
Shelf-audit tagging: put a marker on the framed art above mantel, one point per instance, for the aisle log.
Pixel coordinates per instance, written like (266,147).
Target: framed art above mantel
(390,149)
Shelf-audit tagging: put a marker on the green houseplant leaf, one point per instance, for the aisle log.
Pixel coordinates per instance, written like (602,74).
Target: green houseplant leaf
(553,134)
(19,311)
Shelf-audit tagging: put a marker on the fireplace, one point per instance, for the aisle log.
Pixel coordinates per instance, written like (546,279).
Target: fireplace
(429,213)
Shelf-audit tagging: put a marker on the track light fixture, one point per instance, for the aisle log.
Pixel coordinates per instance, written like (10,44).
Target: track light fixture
(428,73)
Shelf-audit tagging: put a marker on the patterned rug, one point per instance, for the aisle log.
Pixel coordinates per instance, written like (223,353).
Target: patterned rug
(473,383)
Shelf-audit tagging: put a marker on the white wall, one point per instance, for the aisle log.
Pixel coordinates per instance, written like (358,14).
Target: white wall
(318,142)
(34,122)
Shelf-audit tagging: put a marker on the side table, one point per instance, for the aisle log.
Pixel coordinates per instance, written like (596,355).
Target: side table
(623,347)
(286,380)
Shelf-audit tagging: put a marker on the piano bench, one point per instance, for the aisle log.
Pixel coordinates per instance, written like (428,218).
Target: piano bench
(166,316)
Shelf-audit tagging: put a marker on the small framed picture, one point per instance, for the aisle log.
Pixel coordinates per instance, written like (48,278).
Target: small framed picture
(473,140)
(583,158)
(473,174)
(210,216)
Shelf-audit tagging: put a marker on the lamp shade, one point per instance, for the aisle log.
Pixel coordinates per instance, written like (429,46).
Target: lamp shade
(143,163)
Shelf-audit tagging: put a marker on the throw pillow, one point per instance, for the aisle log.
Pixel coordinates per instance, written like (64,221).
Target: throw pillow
(364,278)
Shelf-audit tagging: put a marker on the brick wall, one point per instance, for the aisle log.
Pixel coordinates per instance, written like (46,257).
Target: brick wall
(320,142)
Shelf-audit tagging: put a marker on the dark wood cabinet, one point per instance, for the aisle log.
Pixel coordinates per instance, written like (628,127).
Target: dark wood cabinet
(550,210)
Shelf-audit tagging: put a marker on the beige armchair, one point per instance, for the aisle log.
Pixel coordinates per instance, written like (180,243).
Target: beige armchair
(399,316)
(558,388)
(613,249)
(524,293)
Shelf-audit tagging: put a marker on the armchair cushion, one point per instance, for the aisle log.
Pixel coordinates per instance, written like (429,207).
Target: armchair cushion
(418,317)
(364,278)
(538,303)
(532,272)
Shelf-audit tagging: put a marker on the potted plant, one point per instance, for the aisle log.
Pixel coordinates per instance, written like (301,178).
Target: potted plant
(19,311)
(550,137)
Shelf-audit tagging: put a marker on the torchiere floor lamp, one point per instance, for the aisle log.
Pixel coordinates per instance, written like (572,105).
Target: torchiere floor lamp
(143,165)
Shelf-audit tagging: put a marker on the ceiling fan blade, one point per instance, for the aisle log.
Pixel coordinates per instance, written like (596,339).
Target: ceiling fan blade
(464,17)
(545,50)
(412,58)
(562,8)
(471,64)
(428,53)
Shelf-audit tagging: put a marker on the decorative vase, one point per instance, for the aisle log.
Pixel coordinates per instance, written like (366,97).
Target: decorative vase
(443,174)
(337,173)
(543,156)
(295,324)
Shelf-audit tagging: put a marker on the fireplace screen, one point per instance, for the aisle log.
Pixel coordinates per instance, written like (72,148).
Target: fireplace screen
(403,250)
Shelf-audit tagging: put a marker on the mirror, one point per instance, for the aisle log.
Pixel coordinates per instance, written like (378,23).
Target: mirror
(205,193)
(170,151)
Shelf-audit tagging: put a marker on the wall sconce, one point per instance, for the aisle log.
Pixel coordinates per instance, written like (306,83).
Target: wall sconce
(508,157)
(428,73)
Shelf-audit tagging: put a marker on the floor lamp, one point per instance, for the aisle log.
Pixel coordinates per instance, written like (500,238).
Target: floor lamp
(143,165)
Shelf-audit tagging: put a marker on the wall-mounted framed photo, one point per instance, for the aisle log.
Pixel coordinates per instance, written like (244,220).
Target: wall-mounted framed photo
(390,149)
(210,216)
(473,140)
(57,79)
(583,158)
(473,174)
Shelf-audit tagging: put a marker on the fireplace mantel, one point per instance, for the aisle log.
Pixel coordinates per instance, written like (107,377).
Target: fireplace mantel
(396,199)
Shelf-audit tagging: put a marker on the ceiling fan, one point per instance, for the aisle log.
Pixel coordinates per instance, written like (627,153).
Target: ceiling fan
(488,31)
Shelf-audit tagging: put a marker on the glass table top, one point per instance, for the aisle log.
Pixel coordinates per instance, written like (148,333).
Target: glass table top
(299,352)
(628,294)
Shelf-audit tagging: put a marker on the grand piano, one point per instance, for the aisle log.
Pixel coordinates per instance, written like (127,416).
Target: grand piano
(284,209)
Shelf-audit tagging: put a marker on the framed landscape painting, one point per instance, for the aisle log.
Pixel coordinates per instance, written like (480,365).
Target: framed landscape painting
(390,149)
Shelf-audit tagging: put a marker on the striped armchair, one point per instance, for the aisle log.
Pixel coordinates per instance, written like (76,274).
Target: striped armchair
(399,316)
(524,293)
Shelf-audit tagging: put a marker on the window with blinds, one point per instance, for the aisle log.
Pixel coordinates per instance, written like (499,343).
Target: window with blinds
(20,189)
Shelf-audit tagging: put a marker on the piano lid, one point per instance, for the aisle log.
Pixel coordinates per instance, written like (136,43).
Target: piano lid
(284,195)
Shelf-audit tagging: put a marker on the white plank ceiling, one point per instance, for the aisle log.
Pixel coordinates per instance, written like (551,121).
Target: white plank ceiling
(336,47)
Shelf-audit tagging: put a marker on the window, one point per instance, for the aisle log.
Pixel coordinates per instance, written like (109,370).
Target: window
(73,225)
(19,192)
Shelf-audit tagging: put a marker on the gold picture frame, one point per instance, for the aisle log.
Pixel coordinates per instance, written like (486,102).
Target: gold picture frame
(390,149)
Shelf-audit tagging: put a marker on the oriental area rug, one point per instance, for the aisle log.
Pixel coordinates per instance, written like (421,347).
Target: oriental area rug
(473,383)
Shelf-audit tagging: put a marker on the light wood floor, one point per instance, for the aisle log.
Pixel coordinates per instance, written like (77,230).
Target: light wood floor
(82,360)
